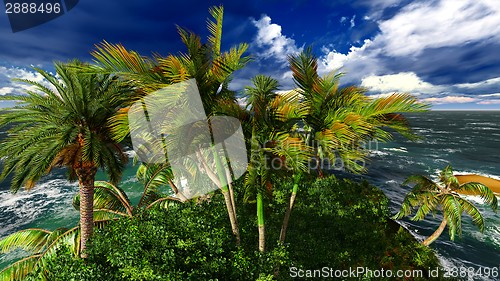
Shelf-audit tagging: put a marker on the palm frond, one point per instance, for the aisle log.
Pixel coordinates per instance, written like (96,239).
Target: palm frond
(452,209)
(482,190)
(473,212)
(31,240)
(19,270)
(215,28)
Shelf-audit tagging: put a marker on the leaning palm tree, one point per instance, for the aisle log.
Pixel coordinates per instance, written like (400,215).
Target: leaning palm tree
(64,125)
(204,62)
(430,197)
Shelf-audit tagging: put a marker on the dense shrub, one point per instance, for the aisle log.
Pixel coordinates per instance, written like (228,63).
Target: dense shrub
(184,242)
(343,224)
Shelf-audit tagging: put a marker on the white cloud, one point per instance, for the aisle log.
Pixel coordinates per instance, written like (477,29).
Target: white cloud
(489,82)
(7,86)
(333,60)
(276,44)
(343,19)
(6,90)
(486,102)
(490,95)
(416,27)
(444,23)
(450,99)
(401,82)
(353,24)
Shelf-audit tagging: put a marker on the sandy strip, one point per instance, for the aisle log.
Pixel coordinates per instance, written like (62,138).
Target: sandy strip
(493,184)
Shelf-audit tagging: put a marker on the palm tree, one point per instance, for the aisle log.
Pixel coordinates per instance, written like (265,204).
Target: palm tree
(205,62)
(65,125)
(273,125)
(429,196)
(338,121)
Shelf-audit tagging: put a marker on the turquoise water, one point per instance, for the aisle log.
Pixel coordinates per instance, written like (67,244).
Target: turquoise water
(470,141)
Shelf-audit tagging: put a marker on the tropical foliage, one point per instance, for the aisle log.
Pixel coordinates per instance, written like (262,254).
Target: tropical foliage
(204,62)
(428,196)
(65,125)
(110,203)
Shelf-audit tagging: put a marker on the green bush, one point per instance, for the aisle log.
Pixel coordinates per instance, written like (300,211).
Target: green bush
(343,224)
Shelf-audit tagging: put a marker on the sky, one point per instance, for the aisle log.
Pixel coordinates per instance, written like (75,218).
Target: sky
(445,52)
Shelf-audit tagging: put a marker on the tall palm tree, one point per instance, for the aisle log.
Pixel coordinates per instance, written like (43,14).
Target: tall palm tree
(338,121)
(64,125)
(430,197)
(273,127)
(205,62)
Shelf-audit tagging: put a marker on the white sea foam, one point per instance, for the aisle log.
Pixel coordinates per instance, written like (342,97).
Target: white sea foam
(130,153)
(466,172)
(397,149)
(483,128)
(377,153)
(484,124)
(53,196)
(452,150)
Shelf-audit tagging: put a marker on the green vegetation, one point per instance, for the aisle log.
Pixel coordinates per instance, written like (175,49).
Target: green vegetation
(429,197)
(192,241)
(237,233)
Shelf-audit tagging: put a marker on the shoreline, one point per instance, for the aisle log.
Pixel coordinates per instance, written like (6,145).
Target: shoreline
(493,184)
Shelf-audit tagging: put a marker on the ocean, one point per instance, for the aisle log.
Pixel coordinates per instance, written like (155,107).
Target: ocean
(468,140)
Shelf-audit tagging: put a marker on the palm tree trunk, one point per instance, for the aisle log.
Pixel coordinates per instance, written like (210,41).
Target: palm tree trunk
(86,178)
(295,189)
(318,165)
(231,191)
(260,222)
(232,217)
(436,234)
(229,200)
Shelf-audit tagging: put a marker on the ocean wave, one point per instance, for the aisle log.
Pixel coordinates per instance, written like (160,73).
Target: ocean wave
(397,149)
(52,197)
(377,153)
(484,123)
(483,128)
(466,172)
(452,150)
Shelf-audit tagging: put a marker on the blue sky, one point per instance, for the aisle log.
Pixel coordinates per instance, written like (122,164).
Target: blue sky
(445,52)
